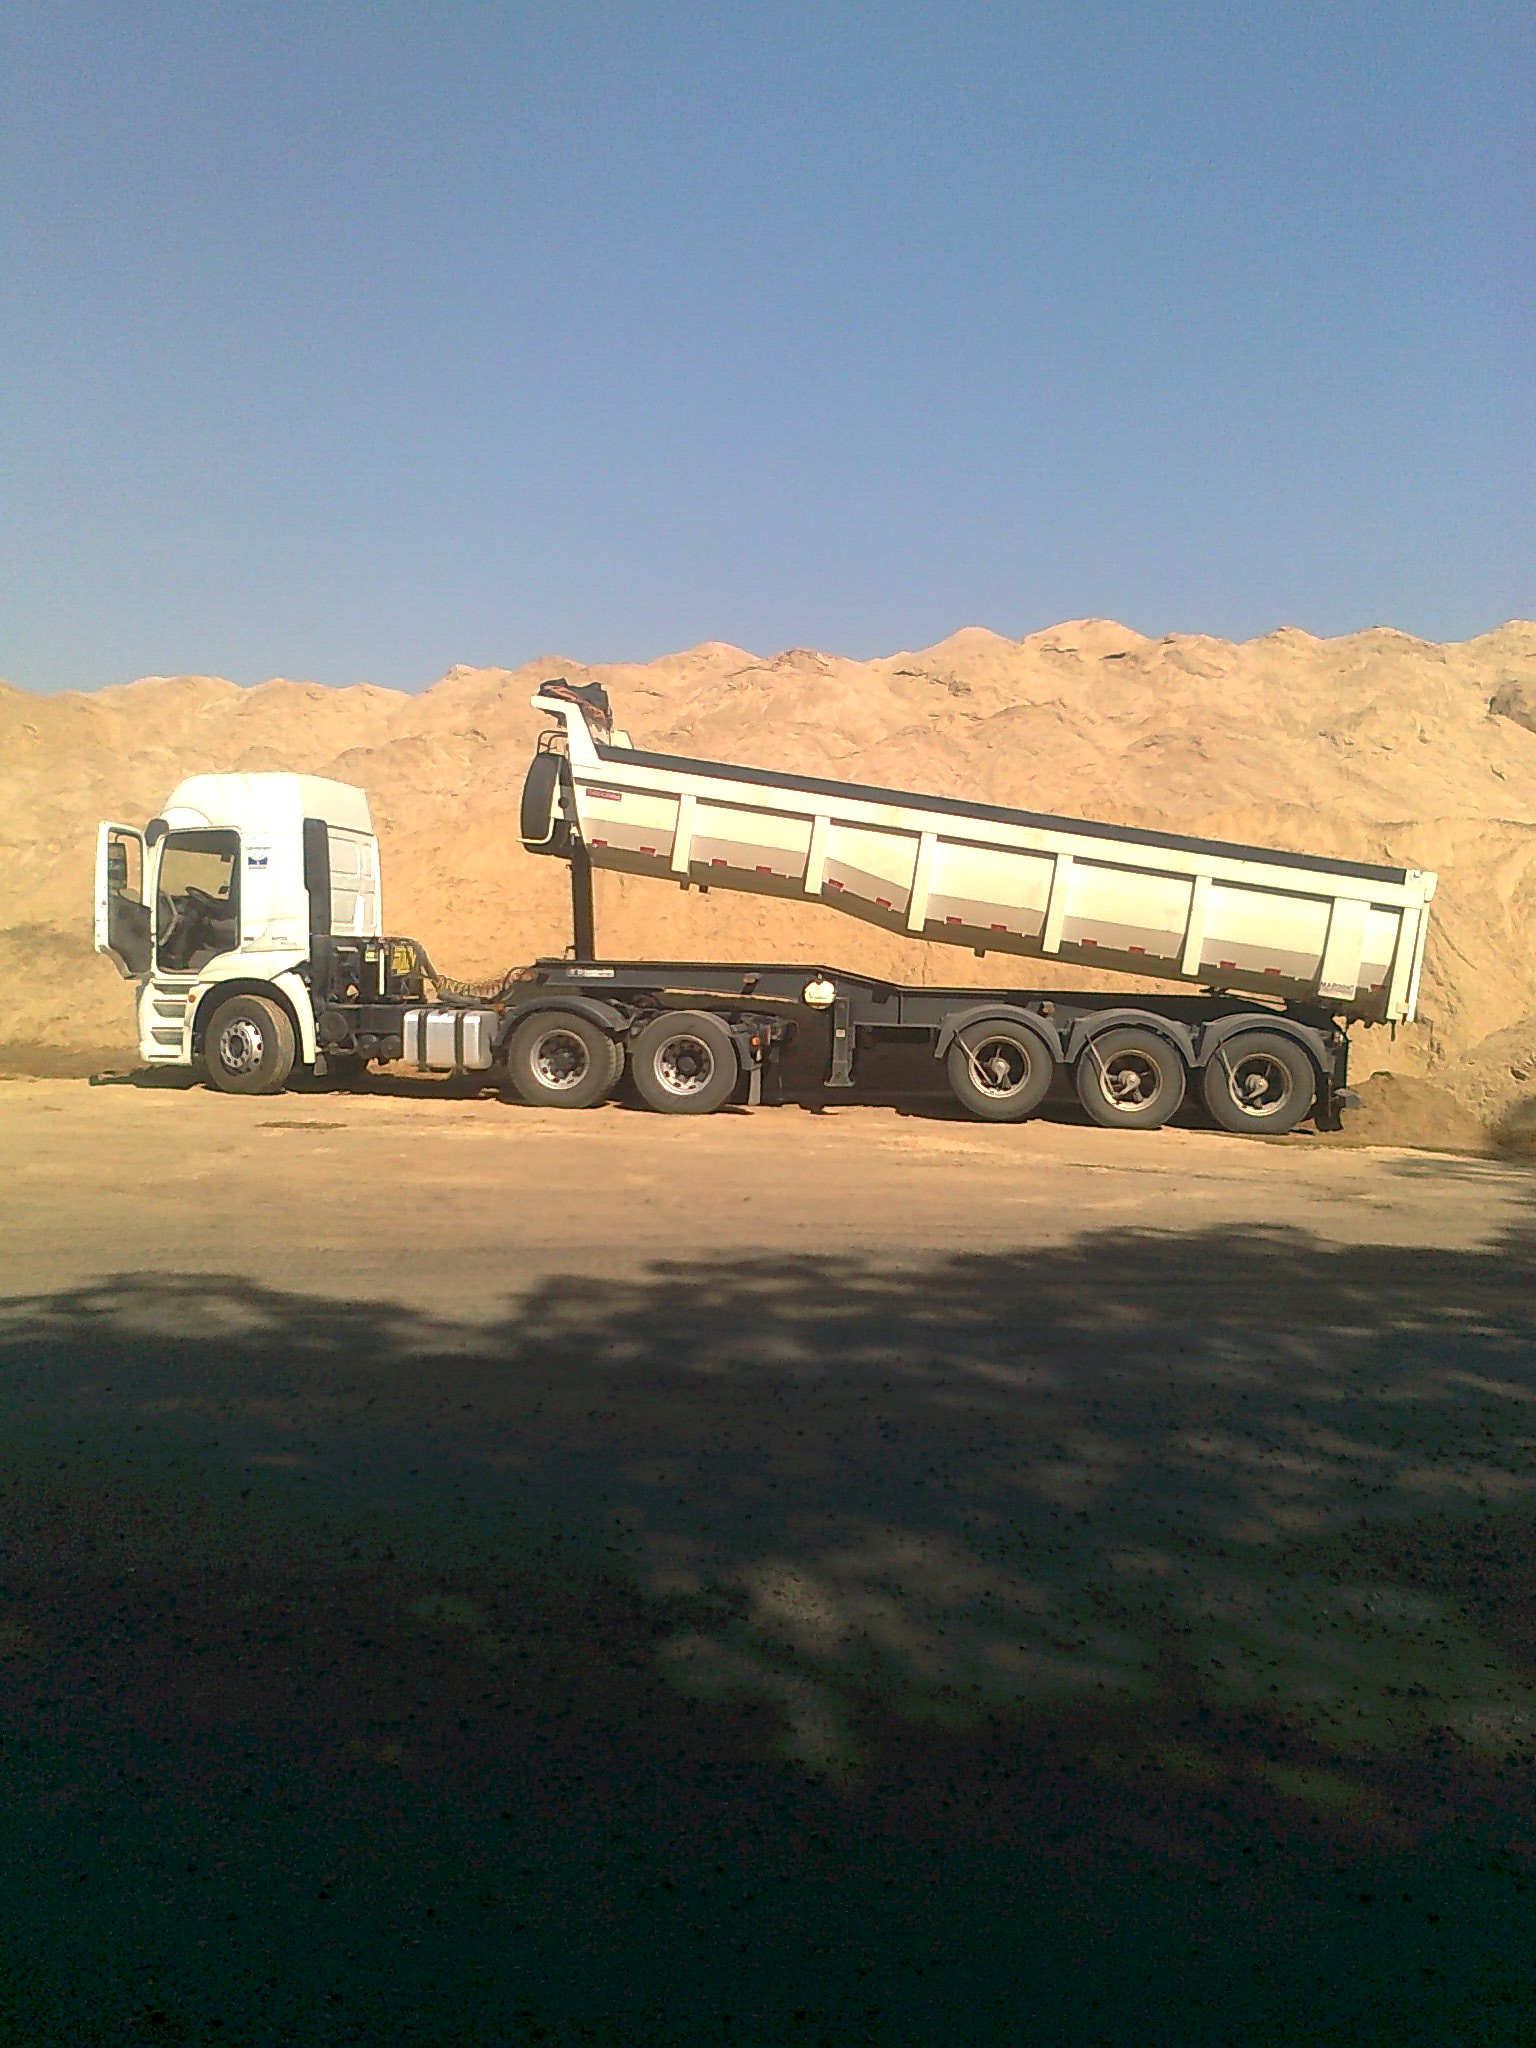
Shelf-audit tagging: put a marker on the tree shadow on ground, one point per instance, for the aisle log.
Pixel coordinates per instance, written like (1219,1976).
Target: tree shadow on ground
(1130,1641)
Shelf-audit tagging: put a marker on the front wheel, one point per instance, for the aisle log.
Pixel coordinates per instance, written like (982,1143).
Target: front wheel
(249,1046)
(1259,1082)
(684,1063)
(558,1060)
(1130,1079)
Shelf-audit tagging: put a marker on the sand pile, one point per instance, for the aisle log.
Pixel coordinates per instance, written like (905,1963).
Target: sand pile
(1374,746)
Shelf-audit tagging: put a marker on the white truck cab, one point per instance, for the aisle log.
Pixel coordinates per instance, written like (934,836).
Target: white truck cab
(222,897)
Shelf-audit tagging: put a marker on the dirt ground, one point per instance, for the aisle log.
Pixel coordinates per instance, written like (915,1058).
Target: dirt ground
(476,1575)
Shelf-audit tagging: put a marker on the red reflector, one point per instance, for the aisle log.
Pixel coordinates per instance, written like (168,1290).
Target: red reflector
(1226,963)
(1136,949)
(762,870)
(954,920)
(1087,942)
(999,927)
(647,849)
(598,842)
(716,861)
(834,885)
(1271,970)
(884,902)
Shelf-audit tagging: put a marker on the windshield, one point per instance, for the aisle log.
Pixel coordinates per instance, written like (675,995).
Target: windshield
(197,904)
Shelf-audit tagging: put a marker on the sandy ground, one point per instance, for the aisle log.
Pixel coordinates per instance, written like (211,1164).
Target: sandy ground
(464,1203)
(470,1574)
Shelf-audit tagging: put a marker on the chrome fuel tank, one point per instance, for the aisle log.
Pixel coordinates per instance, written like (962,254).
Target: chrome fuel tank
(449,1040)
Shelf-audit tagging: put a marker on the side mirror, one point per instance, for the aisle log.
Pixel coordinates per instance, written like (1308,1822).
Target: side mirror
(117,867)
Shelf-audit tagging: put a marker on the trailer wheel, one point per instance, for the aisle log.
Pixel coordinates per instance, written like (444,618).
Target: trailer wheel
(684,1063)
(1130,1079)
(249,1046)
(559,1060)
(1259,1081)
(998,1071)
(616,1057)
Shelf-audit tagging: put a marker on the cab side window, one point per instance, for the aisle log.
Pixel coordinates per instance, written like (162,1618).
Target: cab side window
(197,900)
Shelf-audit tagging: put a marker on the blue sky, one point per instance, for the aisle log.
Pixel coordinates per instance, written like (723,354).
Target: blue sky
(348,342)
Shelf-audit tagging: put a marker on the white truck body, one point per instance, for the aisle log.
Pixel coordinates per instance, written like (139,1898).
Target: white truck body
(256,843)
(1342,934)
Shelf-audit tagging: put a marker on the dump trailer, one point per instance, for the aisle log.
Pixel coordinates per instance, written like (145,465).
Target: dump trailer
(249,915)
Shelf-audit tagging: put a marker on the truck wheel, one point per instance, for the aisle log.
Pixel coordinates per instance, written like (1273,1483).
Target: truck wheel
(1000,1072)
(1130,1079)
(1259,1081)
(559,1060)
(684,1063)
(249,1046)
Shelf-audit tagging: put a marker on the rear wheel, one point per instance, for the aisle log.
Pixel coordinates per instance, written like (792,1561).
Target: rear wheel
(559,1060)
(1130,1079)
(249,1046)
(998,1071)
(684,1063)
(1259,1081)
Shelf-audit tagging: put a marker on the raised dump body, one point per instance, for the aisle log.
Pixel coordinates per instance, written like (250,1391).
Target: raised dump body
(1305,928)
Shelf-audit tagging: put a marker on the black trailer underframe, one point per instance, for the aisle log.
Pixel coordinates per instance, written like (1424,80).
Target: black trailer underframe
(865,1009)
(765,1004)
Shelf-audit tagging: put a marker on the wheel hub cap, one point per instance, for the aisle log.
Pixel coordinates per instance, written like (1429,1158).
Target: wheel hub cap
(1131,1080)
(998,1067)
(1260,1083)
(684,1066)
(240,1046)
(560,1060)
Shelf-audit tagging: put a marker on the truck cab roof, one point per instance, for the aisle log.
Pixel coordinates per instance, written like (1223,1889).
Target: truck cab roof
(265,803)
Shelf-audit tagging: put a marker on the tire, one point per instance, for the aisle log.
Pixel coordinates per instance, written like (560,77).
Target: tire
(537,822)
(1259,1083)
(1130,1079)
(560,1060)
(617,1060)
(249,1046)
(684,1063)
(999,1072)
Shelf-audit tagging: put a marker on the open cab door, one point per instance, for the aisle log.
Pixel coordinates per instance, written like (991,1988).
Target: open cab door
(122,915)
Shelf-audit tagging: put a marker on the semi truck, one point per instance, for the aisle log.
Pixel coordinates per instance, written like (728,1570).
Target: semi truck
(249,915)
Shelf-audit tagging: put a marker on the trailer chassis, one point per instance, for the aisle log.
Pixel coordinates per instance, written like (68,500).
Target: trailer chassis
(363,991)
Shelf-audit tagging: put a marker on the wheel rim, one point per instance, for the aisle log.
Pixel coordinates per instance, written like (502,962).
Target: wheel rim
(1000,1067)
(241,1045)
(561,1061)
(684,1065)
(1131,1079)
(1259,1083)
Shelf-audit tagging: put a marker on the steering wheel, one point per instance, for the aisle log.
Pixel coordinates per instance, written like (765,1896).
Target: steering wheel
(203,899)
